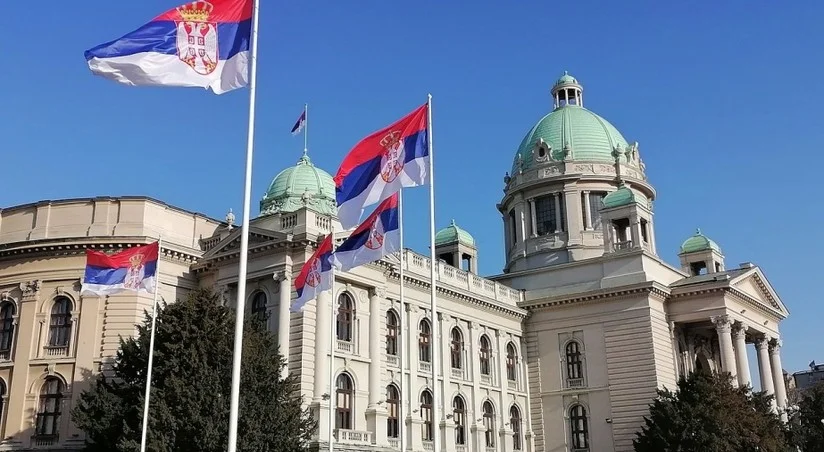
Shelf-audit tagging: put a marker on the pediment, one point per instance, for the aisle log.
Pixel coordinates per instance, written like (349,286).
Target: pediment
(257,236)
(755,285)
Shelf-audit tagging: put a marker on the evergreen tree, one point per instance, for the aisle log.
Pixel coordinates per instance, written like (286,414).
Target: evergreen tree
(708,413)
(807,421)
(191,380)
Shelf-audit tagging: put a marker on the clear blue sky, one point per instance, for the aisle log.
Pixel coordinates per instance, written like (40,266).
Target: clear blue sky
(724,99)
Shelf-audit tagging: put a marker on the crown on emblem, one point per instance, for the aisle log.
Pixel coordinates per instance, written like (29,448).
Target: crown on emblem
(136,260)
(391,139)
(198,11)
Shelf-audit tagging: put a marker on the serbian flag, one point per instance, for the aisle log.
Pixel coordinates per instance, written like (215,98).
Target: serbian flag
(378,236)
(381,164)
(134,269)
(299,125)
(201,44)
(315,276)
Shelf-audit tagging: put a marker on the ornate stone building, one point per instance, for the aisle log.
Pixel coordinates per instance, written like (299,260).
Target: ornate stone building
(563,351)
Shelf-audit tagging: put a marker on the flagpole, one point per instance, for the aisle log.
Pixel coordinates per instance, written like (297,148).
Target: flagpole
(244,238)
(402,335)
(332,343)
(305,128)
(151,350)
(433,287)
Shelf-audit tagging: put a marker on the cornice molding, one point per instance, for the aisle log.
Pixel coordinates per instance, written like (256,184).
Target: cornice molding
(74,247)
(651,288)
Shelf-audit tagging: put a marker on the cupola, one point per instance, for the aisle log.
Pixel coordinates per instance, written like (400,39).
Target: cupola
(303,185)
(700,255)
(626,216)
(567,91)
(457,248)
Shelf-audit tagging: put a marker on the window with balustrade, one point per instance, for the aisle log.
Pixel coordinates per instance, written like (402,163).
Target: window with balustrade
(344,393)
(6,329)
(574,364)
(515,423)
(511,362)
(425,342)
(393,401)
(457,348)
(426,415)
(489,423)
(60,323)
(392,328)
(459,415)
(346,317)
(486,355)
(259,306)
(49,410)
(579,428)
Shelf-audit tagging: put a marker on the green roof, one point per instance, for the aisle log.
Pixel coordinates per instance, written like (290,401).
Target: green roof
(624,196)
(565,79)
(699,242)
(303,185)
(453,234)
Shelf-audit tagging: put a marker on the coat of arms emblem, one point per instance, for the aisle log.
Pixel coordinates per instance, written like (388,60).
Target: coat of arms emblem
(135,273)
(313,277)
(376,234)
(393,156)
(197,37)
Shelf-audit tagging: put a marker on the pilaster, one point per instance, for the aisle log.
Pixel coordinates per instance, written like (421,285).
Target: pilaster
(284,279)
(376,413)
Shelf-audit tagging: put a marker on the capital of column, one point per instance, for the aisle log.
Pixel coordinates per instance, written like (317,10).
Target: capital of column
(282,275)
(775,345)
(379,292)
(762,342)
(722,323)
(739,330)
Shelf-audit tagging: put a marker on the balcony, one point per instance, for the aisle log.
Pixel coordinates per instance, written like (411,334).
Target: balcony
(392,361)
(575,382)
(5,355)
(346,346)
(460,448)
(353,437)
(56,350)
(490,449)
(623,245)
(458,374)
(39,441)
(395,443)
(428,446)
(512,384)
(425,367)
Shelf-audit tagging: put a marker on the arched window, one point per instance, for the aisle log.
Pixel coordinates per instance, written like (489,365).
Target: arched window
(515,423)
(259,305)
(486,356)
(511,362)
(346,317)
(573,361)
(579,431)
(6,329)
(425,342)
(60,324)
(489,423)
(344,393)
(459,413)
(393,402)
(49,409)
(426,415)
(392,325)
(457,348)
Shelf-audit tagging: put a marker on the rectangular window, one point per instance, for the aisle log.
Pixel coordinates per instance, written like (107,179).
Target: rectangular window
(545,216)
(513,231)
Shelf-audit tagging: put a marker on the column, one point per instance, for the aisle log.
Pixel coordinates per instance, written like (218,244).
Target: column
(761,345)
(520,233)
(587,211)
(533,218)
(502,412)
(414,424)
(723,327)
(376,414)
(557,198)
(739,333)
(323,331)
(778,378)
(284,317)
(635,233)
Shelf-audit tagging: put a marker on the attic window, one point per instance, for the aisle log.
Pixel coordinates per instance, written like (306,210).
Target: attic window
(698,268)
(541,152)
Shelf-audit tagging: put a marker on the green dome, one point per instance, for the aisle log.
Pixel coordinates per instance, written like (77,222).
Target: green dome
(623,197)
(699,242)
(565,79)
(303,185)
(452,234)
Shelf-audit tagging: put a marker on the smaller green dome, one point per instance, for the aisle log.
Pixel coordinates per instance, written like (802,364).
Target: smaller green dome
(303,185)
(566,79)
(624,196)
(699,242)
(452,234)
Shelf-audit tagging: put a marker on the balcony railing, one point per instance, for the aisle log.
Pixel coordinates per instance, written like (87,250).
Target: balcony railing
(5,355)
(575,382)
(425,367)
(512,384)
(486,379)
(460,448)
(56,350)
(458,374)
(394,443)
(392,361)
(345,346)
(428,446)
(625,245)
(353,436)
(44,440)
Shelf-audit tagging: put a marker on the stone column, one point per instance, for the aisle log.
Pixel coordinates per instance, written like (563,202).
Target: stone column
(413,409)
(740,335)
(723,327)
(761,344)
(533,218)
(376,414)
(635,232)
(284,317)
(320,405)
(520,233)
(778,378)
(587,212)
(557,198)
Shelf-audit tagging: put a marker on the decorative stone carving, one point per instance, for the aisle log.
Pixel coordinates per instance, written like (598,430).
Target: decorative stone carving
(551,171)
(583,168)
(5,296)
(30,288)
(380,292)
(604,169)
(722,322)
(282,275)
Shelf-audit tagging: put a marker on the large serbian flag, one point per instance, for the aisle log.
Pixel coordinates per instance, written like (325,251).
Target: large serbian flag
(133,269)
(381,164)
(315,276)
(200,44)
(378,236)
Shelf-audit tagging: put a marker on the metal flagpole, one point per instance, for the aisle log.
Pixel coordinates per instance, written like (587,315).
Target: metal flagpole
(436,444)
(151,351)
(305,128)
(401,336)
(244,239)
(332,344)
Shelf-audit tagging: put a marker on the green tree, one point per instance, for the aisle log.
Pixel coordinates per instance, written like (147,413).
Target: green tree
(807,421)
(191,381)
(708,413)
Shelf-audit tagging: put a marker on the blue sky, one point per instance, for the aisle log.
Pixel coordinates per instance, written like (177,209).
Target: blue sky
(724,100)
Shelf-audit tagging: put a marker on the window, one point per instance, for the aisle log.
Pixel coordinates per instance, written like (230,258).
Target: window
(457,348)
(426,415)
(579,431)
(486,355)
(489,424)
(60,325)
(513,231)
(515,423)
(546,218)
(391,333)
(573,361)
(511,362)
(49,410)
(393,402)
(346,316)
(459,413)
(596,202)
(343,411)
(259,306)
(6,330)
(424,344)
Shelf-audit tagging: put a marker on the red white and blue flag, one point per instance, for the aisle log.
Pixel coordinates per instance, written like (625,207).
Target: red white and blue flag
(134,269)
(379,235)
(299,125)
(381,164)
(199,44)
(315,276)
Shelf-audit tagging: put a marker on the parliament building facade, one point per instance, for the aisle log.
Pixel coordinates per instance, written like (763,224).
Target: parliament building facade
(562,351)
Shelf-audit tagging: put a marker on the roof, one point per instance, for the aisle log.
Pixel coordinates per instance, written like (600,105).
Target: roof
(624,196)
(299,186)
(699,242)
(453,234)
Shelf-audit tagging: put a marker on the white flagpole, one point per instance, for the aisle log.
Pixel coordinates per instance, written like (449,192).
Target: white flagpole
(332,344)
(436,444)
(151,351)
(244,239)
(305,129)
(402,335)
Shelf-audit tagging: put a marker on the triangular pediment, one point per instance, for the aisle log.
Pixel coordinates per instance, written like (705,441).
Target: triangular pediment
(755,285)
(257,236)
